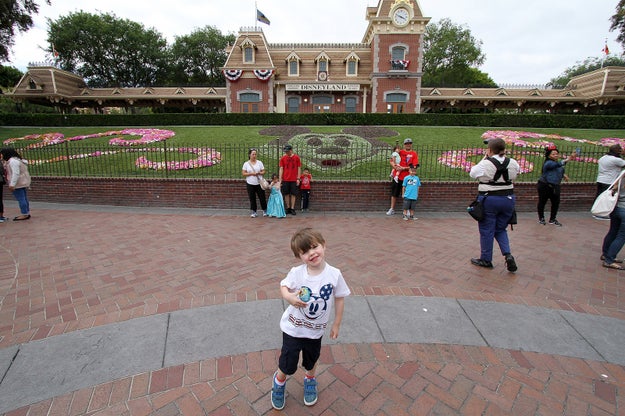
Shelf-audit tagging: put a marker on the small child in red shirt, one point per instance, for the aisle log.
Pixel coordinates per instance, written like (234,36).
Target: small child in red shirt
(304,188)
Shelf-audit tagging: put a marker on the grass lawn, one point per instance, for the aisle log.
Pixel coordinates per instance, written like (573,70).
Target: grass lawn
(234,141)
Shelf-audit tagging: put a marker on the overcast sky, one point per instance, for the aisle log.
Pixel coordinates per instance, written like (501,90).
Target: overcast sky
(525,42)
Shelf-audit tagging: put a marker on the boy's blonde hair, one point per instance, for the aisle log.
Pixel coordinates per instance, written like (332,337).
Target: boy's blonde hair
(304,239)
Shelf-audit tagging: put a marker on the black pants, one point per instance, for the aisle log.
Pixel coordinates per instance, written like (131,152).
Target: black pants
(253,191)
(305,198)
(601,187)
(548,192)
(291,348)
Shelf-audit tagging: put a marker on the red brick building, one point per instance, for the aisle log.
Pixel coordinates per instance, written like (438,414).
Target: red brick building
(382,74)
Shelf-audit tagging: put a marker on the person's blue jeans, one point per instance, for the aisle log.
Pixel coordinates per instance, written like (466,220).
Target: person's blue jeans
(22,199)
(497,213)
(615,238)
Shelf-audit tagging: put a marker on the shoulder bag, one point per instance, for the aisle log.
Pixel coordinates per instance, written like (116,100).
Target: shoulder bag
(264,183)
(607,200)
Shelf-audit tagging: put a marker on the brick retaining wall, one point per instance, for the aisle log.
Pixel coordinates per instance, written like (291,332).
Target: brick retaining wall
(231,194)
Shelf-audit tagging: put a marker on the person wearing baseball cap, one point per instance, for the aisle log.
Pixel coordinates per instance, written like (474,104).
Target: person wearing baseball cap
(289,174)
(407,158)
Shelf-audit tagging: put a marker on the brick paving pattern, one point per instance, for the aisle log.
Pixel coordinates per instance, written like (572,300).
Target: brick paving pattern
(66,270)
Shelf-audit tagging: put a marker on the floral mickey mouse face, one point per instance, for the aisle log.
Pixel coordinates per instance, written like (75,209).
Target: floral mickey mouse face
(336,151)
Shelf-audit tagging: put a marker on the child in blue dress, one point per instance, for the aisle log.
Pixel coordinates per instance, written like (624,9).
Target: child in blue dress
(275,205)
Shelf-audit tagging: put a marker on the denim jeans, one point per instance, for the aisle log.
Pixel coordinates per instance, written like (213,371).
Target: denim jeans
(497,213)
(22,199)
(615,238)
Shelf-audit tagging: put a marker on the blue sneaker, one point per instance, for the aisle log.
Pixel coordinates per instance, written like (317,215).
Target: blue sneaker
(277,394)
(310,391)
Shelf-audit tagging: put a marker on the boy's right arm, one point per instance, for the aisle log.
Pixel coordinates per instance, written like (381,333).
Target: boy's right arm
(291,297)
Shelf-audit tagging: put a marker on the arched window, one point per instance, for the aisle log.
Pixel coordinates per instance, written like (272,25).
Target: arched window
(395,102)
(351,67)
(396,97)
(293,68)
(249,102)
(249,97)
(248,55)
(398,53)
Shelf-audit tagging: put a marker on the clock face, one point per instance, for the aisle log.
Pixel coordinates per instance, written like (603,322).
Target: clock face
(401,17)
(322,76)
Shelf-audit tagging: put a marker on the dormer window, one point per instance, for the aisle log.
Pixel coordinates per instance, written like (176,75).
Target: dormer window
(322,66)
(293,63)
(248,55)
(32,85)
(249,51)
(323,62)
(351,65)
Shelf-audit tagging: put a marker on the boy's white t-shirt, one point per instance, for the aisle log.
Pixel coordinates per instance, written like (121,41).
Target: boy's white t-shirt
(311,321)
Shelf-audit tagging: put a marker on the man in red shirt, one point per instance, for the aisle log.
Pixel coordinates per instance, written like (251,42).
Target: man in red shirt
(408,157)
(290,171)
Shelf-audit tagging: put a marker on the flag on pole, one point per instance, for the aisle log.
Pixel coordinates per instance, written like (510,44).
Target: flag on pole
(605,49)
(55,53)
(261,17)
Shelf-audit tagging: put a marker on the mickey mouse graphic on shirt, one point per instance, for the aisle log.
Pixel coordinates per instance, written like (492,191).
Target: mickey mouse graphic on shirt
(317,305)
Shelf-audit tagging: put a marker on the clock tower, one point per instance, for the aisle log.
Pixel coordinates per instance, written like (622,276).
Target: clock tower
(395,33)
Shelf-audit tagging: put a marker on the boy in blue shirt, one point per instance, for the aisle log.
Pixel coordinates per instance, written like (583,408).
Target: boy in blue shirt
(410,193)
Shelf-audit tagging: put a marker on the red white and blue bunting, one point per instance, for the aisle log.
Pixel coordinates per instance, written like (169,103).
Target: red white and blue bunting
(233,74)
(400,64)
(263,74)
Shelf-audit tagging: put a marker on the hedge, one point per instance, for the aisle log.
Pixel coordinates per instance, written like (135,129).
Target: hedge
(273,119)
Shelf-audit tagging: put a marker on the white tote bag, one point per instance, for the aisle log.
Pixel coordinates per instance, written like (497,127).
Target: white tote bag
(606,201)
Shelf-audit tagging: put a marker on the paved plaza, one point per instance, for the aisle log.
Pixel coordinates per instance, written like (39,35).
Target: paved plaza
(143,311)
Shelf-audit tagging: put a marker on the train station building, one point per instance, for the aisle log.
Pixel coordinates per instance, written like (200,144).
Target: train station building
(381,74)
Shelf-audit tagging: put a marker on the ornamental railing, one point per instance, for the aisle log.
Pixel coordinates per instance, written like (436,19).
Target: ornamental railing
(368,161)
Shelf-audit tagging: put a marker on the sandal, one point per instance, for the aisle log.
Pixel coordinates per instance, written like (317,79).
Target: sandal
(613,266)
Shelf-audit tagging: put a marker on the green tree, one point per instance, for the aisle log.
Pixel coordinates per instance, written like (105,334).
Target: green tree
(14,15)
(618,22)
(198,57)
(108,51)
(451,57)
(9,76)
(590,64)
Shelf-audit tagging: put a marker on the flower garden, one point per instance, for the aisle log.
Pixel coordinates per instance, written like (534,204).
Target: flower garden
(322,152)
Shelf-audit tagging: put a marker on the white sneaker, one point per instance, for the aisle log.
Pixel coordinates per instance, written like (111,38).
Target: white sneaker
(405,218)
(264,213)
(254,215)
(391,211)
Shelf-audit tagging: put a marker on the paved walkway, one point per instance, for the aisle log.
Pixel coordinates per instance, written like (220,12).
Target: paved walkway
(131,311)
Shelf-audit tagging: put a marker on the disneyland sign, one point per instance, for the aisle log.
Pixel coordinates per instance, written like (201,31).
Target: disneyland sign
(323,87)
